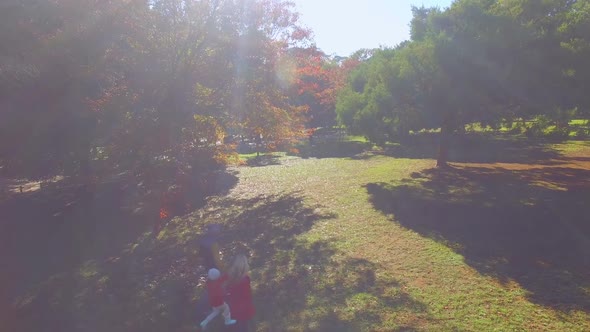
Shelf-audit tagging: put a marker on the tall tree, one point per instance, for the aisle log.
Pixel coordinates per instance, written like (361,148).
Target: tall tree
(139,85)
(317,80)
(478,61)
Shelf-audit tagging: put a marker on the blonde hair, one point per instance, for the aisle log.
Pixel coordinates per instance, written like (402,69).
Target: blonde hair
(238,269)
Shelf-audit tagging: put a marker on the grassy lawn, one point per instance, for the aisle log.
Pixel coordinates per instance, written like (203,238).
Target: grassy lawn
(344,238)
(578,129)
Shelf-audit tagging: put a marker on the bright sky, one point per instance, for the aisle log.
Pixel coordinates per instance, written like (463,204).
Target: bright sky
(344,26)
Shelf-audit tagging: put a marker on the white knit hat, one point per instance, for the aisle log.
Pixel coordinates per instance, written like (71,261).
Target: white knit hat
(213,274)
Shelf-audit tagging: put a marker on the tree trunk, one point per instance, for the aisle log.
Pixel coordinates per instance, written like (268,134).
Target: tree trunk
(443,147)
(258,140)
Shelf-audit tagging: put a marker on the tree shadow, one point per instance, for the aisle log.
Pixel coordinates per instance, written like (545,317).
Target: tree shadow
(475,148)
(303,284)
(154,284)
(64,250)
(264,160)
(464,148)
(333,148)
(309,288)
(528,226)
(147,284)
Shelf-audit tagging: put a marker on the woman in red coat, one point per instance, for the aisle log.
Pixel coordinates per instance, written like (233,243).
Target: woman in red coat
(240,294)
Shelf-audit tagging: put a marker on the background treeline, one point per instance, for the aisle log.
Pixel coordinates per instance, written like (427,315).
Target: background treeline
(159,88)
(495,63)
(156,88)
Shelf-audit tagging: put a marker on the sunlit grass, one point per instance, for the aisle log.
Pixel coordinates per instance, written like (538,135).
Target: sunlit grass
(327,256)
(578,122)
(438,289)
(354,138)
(519,126)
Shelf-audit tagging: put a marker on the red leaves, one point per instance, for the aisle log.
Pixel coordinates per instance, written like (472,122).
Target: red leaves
(319,79)
(108,96)
(173,203)
(164,213)
(300,34)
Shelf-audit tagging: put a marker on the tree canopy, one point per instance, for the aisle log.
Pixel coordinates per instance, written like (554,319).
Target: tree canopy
(477,61)
(134,84)
(90,86)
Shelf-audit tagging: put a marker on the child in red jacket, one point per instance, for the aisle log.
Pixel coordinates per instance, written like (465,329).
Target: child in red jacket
(215,290)
(240,293)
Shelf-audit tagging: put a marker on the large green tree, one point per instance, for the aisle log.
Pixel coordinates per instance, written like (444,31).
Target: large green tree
(138,85)
(477,61)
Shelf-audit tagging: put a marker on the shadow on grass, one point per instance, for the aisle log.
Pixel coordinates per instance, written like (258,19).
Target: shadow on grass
(264,160)
(64,250)
(529,226)
(476,148)
(465,148)
(155,283)
(308,288)
(304,285)
(333,148)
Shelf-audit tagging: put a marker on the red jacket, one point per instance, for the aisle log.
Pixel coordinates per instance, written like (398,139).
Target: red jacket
(215,291)
(240,300)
